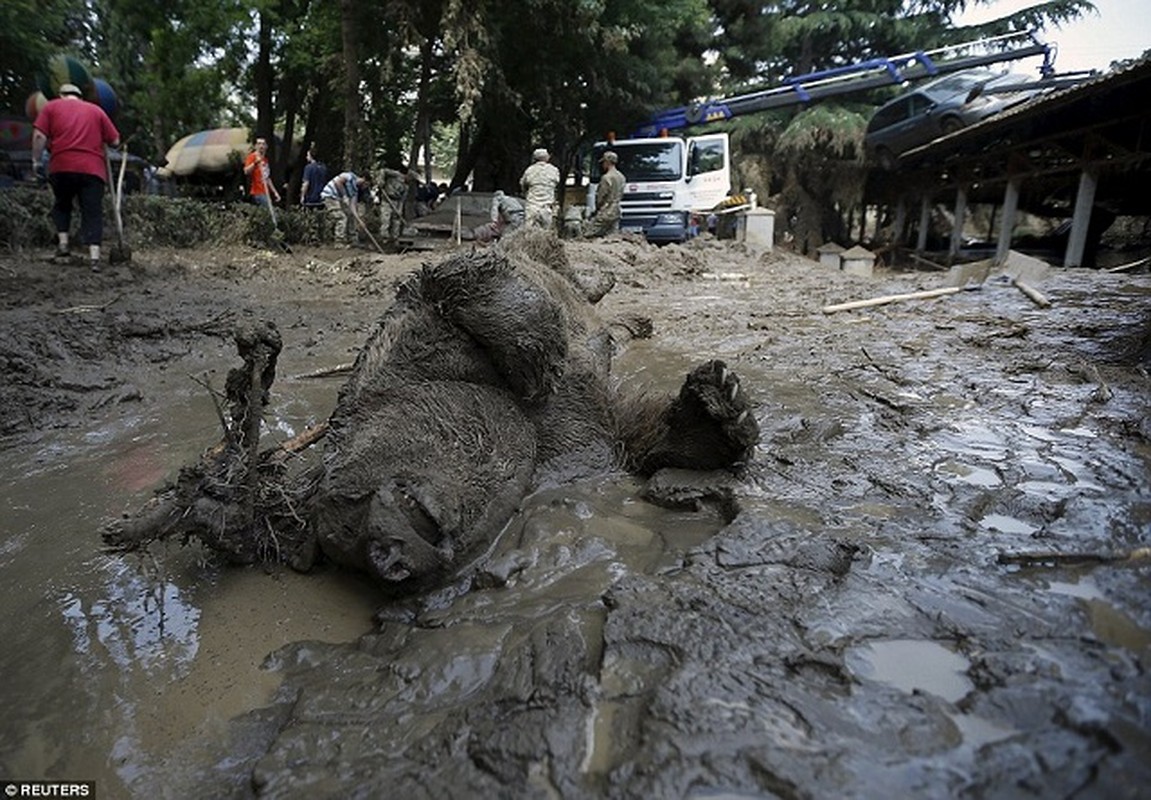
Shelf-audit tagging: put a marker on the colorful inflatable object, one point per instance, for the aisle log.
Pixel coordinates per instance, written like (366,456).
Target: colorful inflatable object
(32,106)
(104,96)
(64,69)
(216,150)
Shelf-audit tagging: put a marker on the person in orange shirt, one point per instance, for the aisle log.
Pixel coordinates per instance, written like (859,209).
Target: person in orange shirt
(260,184)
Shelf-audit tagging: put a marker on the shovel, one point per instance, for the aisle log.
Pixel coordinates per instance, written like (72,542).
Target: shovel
(277,234)
(363,225)
(119,253)
(1017,269)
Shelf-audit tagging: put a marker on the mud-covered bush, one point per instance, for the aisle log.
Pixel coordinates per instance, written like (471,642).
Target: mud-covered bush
(153,220)
(24,217)
(172,221)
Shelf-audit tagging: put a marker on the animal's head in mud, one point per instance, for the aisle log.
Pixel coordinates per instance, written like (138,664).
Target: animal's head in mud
(485,365)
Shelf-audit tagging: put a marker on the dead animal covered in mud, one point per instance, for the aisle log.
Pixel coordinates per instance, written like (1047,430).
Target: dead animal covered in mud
(489,374)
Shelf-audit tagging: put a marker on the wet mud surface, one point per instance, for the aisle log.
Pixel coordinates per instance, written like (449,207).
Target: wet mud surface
(936,584)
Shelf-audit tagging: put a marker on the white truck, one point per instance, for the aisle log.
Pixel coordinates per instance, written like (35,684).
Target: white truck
(667,180)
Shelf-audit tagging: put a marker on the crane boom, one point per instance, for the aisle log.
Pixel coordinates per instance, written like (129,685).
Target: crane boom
(869,74)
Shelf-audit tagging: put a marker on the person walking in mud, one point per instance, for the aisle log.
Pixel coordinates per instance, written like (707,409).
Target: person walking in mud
(75,133)
(260,186)
(605,219)
(539,183)
(341,196)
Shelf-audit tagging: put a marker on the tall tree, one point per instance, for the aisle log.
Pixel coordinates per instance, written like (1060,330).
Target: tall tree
(556,72)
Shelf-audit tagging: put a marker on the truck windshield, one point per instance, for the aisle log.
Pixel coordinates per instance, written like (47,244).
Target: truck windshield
(655,161)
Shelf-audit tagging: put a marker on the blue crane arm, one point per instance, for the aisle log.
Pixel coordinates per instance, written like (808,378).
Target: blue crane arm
(862,76)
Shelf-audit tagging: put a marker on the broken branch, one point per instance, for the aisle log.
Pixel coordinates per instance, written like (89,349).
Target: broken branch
(1052,558)
(326,372)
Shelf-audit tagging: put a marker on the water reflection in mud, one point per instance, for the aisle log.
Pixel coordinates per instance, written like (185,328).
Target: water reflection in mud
(912,665)
(109,664)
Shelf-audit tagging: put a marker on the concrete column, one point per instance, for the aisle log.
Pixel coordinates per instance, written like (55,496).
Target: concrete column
(900,222)
(759,229)
(1084,200)
(960,217)
(924,223)
(1007,219)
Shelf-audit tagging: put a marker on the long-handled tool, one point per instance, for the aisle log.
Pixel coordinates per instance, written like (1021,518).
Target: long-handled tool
(119,253)
(277,234)
(364,226)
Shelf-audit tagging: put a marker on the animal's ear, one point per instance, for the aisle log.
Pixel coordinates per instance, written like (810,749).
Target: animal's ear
(518,323)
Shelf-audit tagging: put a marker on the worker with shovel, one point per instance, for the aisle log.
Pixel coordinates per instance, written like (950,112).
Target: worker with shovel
(394,191)
(75,133)
(341,199)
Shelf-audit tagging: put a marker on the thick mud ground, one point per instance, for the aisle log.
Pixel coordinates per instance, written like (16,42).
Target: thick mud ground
(937,585)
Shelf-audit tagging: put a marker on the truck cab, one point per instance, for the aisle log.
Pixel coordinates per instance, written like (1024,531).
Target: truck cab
(667,179)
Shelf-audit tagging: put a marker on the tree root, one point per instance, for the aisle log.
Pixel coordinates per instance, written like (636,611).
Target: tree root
(237,499)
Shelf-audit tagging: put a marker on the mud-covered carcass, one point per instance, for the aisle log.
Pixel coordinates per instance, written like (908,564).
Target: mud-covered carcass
(488,375)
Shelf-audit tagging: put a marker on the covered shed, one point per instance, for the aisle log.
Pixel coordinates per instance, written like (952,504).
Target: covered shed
(1081,153)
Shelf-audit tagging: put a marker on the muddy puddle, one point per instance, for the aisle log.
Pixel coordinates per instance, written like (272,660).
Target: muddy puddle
(110,665)
(128,671)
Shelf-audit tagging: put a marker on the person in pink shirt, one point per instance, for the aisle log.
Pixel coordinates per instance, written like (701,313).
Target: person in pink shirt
(75,133)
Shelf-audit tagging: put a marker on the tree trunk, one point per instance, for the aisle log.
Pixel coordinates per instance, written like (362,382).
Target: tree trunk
(263,81)
(357,150)
(287,164)
(422,137)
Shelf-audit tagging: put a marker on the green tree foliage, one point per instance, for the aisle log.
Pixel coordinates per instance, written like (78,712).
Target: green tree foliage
(173,71)
(30,32)
(372,83)
(553,72)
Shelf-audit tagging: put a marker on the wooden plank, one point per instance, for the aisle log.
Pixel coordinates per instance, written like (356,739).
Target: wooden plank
(894,298)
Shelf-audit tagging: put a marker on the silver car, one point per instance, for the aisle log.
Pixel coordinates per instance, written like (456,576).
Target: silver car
(940,107)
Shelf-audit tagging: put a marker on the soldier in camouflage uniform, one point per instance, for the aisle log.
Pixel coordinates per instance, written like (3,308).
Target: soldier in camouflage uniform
(605,220)
(393,185)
